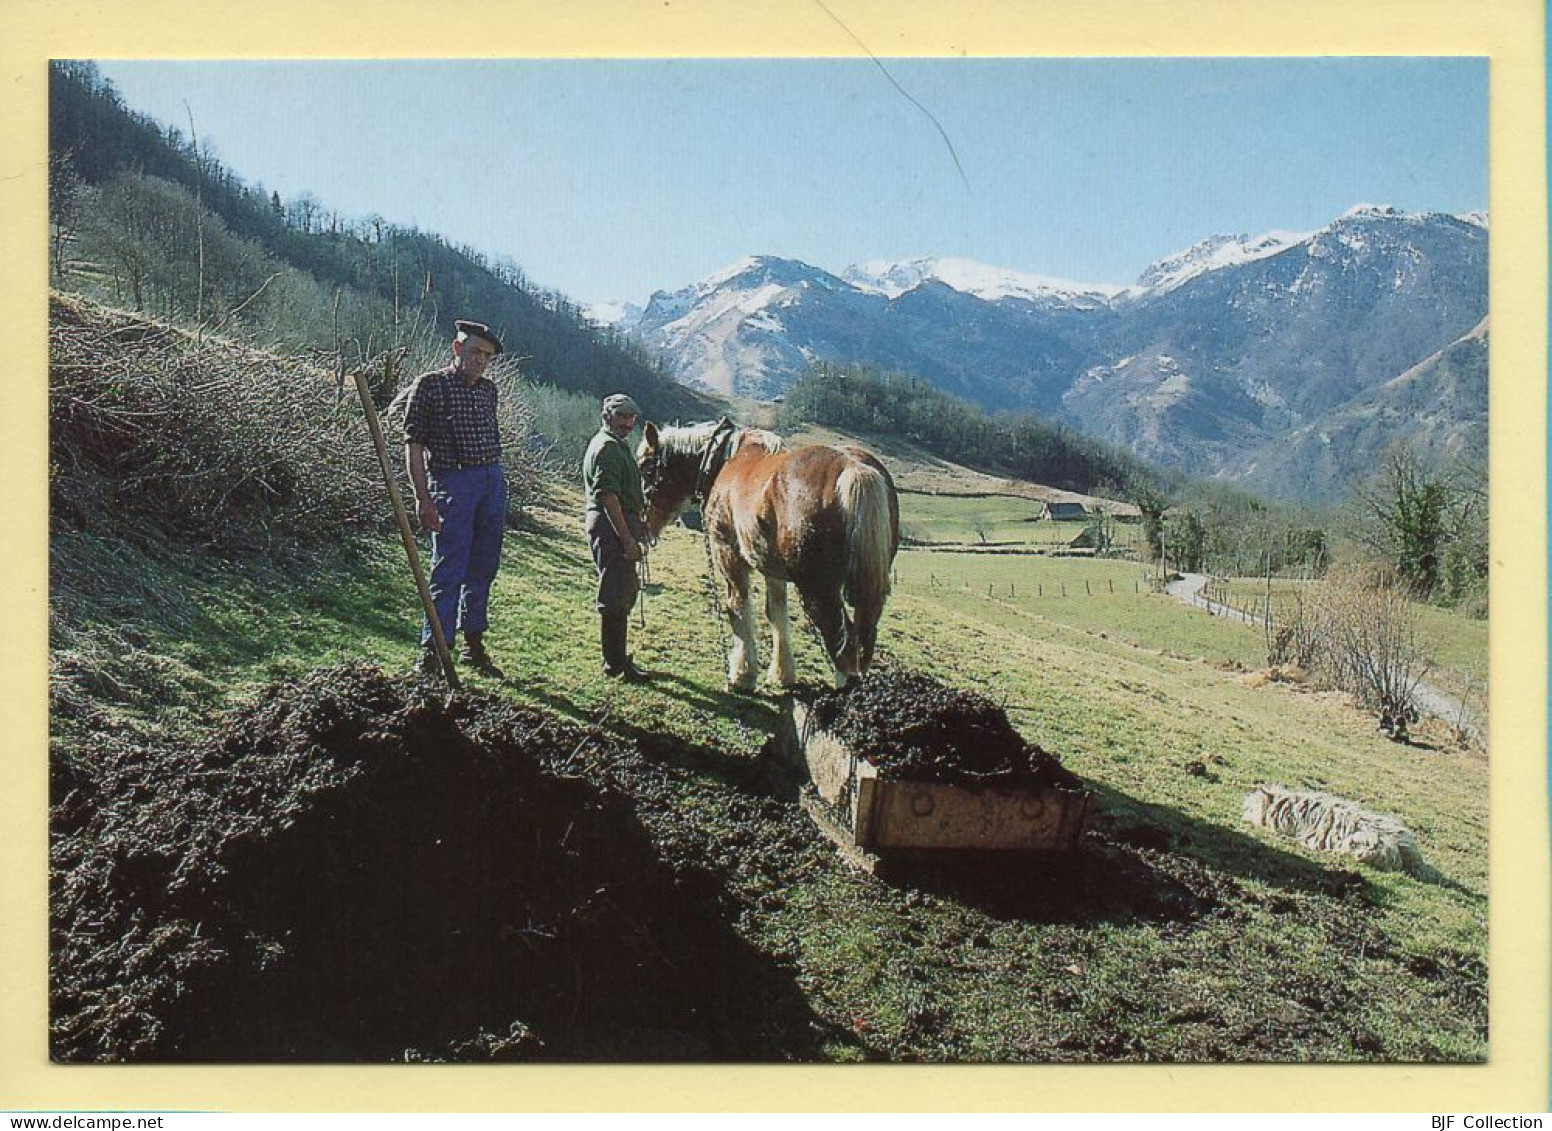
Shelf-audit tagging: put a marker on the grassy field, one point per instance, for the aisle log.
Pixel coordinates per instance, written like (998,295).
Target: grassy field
(993,519)
(1179,934)
(1096,597)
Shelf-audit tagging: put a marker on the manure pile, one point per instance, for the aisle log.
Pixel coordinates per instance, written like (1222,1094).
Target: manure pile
(914,728)
(352,871)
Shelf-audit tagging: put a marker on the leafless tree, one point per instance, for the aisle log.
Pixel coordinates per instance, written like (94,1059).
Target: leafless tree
(1355,632)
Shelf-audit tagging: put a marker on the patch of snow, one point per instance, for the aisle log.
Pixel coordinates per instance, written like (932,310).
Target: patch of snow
(1366,211)
(893,278)
(614,312)
(731,271)
(1212,254)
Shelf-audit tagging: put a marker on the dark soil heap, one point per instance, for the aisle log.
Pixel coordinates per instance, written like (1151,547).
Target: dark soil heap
(914,728)
(352,870)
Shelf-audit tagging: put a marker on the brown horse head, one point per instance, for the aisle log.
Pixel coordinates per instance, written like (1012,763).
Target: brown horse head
(670,461)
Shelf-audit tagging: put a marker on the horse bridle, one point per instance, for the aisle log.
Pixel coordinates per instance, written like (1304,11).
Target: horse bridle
(713,456)
(652,470)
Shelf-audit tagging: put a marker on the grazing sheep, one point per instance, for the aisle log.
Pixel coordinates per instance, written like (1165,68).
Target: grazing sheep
(1332,824)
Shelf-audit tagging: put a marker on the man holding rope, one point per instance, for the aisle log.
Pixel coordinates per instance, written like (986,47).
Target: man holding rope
(615,505)
(453,449)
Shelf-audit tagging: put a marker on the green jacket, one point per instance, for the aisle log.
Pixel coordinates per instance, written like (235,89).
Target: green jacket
(610,469)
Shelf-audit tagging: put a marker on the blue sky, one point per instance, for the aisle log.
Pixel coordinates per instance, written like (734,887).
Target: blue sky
(610,179)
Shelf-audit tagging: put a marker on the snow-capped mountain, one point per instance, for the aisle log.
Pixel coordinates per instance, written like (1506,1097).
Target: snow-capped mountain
(893,278)
(728,333)
(1207,363)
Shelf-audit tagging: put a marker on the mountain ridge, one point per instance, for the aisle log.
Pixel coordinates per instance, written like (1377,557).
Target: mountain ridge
(1218,352)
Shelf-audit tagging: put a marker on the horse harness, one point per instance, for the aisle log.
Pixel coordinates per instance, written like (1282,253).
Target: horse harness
(713,459)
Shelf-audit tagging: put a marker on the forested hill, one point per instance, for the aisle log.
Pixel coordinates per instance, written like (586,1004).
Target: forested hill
(1021,445)
(142,217)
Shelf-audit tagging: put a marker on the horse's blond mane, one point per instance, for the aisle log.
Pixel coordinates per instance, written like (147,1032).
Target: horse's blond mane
(684,439)
(767,440)
(690,439)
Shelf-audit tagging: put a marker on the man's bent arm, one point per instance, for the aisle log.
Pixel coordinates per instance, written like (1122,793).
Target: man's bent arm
(622,528)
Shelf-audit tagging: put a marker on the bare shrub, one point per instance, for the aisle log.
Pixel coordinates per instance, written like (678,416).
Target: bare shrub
(1293,637)
(1356,633)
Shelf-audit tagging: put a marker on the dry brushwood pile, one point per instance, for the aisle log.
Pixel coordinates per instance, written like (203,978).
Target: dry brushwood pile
(214,440)
(209,438)
(913,727)
(351,870)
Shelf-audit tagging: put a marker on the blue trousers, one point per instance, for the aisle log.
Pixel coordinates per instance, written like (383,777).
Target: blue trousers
(467,550)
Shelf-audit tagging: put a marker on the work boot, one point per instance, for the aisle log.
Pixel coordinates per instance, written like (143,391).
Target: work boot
(473,653)
(617,662)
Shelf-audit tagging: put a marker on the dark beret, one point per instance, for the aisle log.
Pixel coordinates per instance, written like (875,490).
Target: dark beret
(479,330)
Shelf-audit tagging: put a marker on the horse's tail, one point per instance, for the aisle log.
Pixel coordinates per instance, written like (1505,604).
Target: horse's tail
(867,503)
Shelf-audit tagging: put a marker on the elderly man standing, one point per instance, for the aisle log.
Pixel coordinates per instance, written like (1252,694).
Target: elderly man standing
(615,505)
(453,449)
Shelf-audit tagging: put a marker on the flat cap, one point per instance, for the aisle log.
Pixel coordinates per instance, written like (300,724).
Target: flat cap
(479,330)
(619,402)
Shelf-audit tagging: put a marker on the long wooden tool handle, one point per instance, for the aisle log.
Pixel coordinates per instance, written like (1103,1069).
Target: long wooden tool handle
(405,533)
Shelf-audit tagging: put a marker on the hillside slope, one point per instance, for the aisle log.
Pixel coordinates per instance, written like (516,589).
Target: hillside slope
(145,221)
(1439,404)
(265,827)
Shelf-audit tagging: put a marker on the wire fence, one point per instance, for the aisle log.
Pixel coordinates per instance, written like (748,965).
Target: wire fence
(1038,588)
(1267,610)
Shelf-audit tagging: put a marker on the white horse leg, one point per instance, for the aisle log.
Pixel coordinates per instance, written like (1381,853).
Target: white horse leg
(744,655)
(782,671)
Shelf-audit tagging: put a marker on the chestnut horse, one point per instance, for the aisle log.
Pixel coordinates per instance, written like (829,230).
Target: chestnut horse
(826,519)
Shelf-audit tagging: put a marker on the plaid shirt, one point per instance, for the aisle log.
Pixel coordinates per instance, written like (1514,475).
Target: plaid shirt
(456,423)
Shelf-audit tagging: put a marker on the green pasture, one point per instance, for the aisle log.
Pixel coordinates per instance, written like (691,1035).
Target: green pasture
(1140,695)
(992,519)
(1093,596)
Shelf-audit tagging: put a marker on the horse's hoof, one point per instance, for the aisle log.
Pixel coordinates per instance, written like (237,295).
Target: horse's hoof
(740,688)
